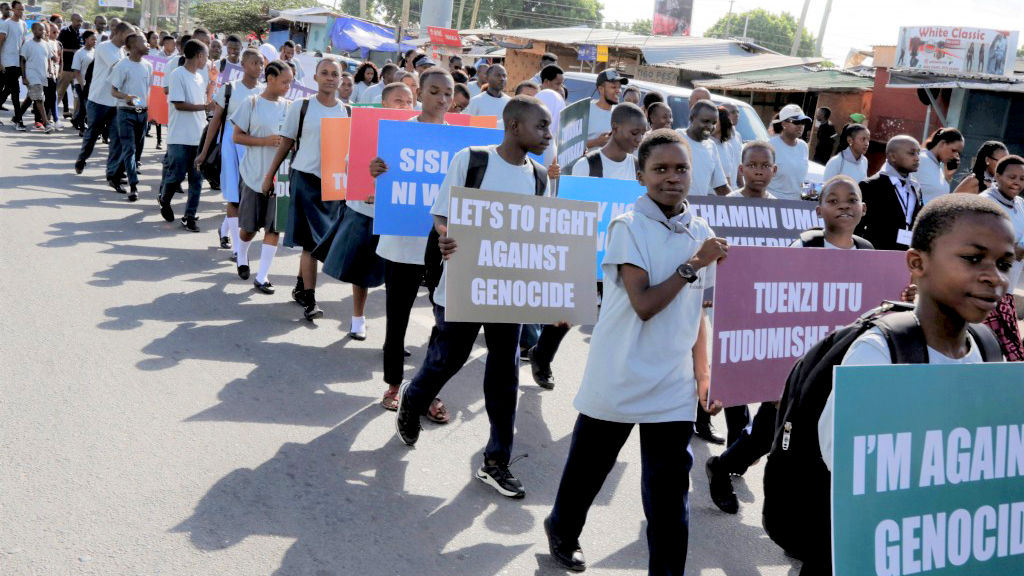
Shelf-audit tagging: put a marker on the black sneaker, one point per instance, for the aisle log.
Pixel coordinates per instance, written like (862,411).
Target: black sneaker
(568,554)
(499,477)
(190,225)
(79,166)
(541,371)
(298,290)
(407,423)
(81,132)
(20,127)
(243,272)
(266,287)
(311,311)
(133,194)
(117,186)
(720,484)
(166,211)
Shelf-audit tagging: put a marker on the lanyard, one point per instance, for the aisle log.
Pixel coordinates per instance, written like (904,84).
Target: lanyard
(908,200)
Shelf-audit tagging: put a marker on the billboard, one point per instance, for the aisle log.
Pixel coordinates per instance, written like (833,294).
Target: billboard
(672,17)
(957,50)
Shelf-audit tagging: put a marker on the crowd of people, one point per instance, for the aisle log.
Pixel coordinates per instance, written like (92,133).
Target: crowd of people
(649,354)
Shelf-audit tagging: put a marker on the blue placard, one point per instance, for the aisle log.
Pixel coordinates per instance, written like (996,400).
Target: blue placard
(613,197)
(587,53)
(417,156)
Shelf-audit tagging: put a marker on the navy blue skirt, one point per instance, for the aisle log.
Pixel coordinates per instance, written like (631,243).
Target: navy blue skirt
(349,251)
(309,217)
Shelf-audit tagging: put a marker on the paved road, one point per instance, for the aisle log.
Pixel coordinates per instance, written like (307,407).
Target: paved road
(161,417)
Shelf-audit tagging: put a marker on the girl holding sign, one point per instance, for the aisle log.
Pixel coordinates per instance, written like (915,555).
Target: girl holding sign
(257,125)
(648,362)
(404,265)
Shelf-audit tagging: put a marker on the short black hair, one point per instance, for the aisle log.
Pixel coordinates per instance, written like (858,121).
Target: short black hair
(836,180)
(250,54)
(389,67)
(434,71)
(164,39)
(519,107)
(757,145)
(526,84)
(391,88)
(325,60)
(655,106)
(626,112)
(454,57)
(652,97)
(462,89)
(275,68)
(948,135)
(655,138)
(550,72)
(201,30)
(233,38)
(87,34)
(826,111)
(939,215)
(194,48)
(288,44)
(460,77)
(549,56)
(16,3)
(1007,161)
(698,105)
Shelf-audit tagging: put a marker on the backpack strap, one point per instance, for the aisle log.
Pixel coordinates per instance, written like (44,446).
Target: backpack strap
(862,243)
(595,164)
(812,238)
(905,337)
(302,120)
(227,103)
(987,342)
(540,177)
(478,156)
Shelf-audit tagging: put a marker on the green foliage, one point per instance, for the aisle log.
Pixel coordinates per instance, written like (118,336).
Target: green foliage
(507,14)
(1020,52)
(243,16)
(773,31)
(641,27)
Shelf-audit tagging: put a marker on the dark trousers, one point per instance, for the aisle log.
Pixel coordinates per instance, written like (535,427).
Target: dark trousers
(529,335)
(754,441)
(665,459)
(736,420)
(100,119)
(80,114)
(12,89)
(131,136)
(547,345)
(401,284)
(26,105)
(449,348)
(50,99)
(179,164)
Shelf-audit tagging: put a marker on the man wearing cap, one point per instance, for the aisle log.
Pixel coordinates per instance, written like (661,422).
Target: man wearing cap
(493,101)
(546,60)
(422,63)
(609,82)
(790,153)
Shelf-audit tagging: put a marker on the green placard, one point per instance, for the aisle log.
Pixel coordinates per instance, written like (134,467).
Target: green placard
(928,473)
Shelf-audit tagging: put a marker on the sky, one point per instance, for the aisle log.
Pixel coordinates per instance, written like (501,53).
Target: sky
(852,23)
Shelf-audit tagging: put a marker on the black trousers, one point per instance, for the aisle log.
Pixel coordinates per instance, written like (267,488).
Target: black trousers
(12,89)
(753,442)
(736,420)
(50,99)
(665,459)
(547,345)
(401,284)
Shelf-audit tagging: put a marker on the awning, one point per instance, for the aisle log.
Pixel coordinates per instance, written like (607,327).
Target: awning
(352,34)
(918,79)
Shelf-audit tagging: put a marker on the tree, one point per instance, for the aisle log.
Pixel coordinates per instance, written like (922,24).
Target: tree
(640,27)
(773,31)
(507,14)
(243,16)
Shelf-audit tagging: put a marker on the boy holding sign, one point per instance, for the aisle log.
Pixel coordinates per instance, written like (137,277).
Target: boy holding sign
(648,362)
(508,169)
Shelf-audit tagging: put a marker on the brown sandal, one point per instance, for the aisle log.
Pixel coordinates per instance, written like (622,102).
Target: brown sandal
(390,400)
(438,412)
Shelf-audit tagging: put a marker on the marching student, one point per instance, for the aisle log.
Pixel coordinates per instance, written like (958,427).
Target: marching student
(366,76)
(527,88)
(349,249)
(983,171)
(461,100)
(188,108)
(345,88)
(790,153)
(35,55)
(648,361)
(509,170)
(309,217)
(492,101)
(226,102)
(168,50)
(257,126)
(130,81)
(851,157)
(287,55)
(79,65)
(757,166)
(841,207)
(410,79)
(659,115)
(708,174)
(725,137)
(100,107)
(372,94)
(960,258)
(894,196)
(940,159)
(1006,191)
(403,256)
(13,33)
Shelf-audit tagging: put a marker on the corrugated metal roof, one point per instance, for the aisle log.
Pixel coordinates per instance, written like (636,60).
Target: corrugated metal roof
(723,65)
(797,79)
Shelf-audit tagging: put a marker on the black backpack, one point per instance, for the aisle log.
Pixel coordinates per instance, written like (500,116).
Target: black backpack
(597,167)
(211,164)
(815,238)
(797,484)
(478,156)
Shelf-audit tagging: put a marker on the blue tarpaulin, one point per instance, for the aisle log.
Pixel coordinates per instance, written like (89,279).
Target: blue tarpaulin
(351,34)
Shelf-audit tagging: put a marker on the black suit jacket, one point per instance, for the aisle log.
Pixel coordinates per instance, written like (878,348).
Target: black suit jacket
(885,215)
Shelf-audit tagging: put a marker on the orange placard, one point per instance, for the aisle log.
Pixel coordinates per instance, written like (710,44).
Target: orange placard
(483,121)
(334,138)
(158,105)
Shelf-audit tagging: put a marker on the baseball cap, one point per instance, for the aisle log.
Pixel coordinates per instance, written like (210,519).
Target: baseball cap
(858,117)
(611,76)
(792,113)
(423,61)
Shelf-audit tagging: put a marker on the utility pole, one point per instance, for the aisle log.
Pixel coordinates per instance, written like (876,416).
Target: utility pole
(728,20)
(745,24)
(824,24)
(462,6)
(800,29)
(400,29)
(362,9)
(472,19)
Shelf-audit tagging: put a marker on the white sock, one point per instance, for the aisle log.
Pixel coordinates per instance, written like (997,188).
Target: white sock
(233,232)
(224,227)
(266,257)
(358,324)
(243,252)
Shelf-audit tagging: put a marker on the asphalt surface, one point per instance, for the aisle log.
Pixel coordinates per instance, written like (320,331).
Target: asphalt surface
(159,416)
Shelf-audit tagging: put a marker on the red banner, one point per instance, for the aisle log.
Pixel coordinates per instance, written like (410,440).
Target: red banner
(444,36)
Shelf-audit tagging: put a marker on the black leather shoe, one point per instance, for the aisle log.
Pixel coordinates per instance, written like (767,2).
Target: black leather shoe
(133,194)
(541,372)
(266,287)
(79,166)
(567,554)
(720,484)
(243,272)
(166,211)
(117,186)
(706,432)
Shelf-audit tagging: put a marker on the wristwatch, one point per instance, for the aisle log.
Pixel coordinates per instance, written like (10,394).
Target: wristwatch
(687,272)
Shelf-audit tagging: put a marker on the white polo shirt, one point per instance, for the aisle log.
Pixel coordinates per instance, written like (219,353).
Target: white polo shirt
(706,171)
(308,157)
